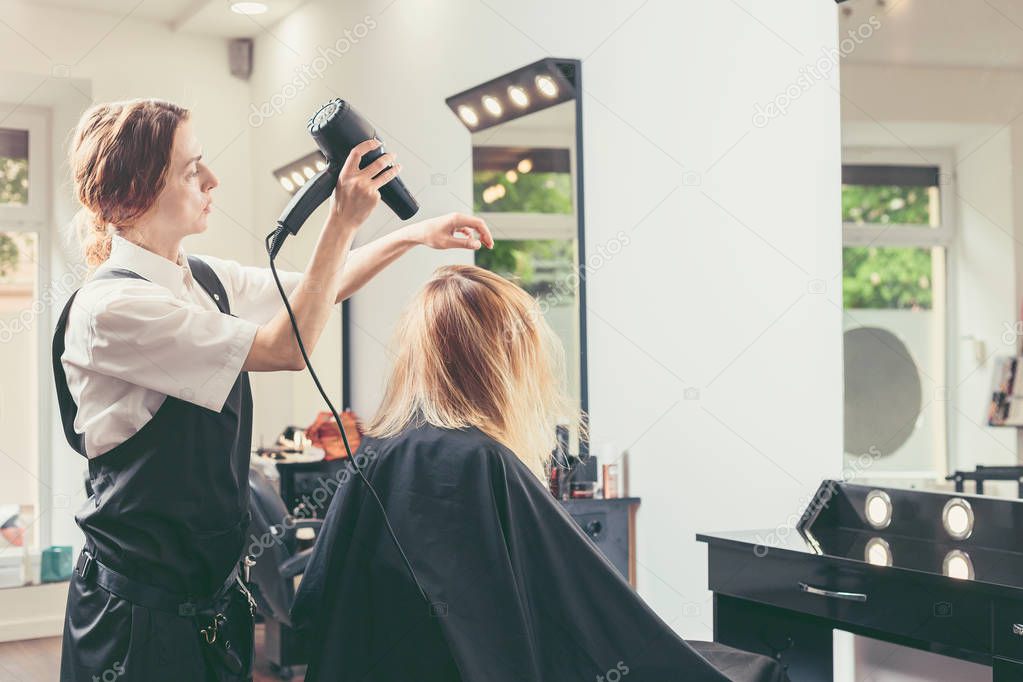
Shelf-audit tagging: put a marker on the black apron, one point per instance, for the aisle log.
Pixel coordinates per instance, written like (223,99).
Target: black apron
(155,594)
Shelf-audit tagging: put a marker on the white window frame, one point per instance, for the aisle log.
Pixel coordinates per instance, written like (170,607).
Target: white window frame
(925,236)
(34,218)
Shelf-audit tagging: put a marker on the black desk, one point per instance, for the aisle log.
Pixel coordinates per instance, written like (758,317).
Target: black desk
(611,524)
(782,593)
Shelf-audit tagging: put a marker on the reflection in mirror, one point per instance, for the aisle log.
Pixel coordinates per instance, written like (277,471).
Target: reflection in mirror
(526,183)
(932,168)
(524,187)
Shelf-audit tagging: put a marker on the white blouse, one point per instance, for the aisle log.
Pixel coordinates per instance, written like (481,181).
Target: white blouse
(130,342)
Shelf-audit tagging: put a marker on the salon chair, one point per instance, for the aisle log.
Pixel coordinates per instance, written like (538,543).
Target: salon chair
(274,546)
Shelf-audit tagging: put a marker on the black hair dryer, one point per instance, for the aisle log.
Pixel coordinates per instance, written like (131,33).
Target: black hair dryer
(337,127)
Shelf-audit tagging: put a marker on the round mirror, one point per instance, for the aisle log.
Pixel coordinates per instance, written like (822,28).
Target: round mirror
(883,393)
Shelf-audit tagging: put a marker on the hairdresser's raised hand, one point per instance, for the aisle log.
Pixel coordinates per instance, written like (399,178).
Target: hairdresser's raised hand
(358,190)
(452,231)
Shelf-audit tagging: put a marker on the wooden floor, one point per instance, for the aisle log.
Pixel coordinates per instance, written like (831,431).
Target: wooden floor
(38,660)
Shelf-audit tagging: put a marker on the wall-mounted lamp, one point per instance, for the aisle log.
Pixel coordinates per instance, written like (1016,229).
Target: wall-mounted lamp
(524,91)
(878,509)
(293,175)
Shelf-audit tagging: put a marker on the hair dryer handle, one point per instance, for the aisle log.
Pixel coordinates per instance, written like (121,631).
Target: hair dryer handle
(396,195)
(308,198)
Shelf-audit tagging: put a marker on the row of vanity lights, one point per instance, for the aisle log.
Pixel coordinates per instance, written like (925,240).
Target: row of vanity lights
(517,95)
(956,517)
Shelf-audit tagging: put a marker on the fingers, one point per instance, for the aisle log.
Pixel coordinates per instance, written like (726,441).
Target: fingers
(355,156)
(465,223)
(385,177)
(465,238)
(382,162)
(481,228)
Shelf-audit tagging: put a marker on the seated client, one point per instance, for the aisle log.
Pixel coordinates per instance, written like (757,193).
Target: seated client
(503,584)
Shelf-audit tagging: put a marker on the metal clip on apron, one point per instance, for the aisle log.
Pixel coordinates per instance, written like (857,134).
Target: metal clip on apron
(168,519)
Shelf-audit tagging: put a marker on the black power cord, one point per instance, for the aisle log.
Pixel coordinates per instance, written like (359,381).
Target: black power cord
(274,240)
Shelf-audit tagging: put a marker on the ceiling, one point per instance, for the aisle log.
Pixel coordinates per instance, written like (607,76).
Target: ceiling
(205,17)
(964,33)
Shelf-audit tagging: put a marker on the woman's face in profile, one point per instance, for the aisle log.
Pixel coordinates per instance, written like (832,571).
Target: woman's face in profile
(185,202)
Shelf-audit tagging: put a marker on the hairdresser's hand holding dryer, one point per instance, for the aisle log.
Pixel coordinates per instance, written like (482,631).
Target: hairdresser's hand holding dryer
(150,362)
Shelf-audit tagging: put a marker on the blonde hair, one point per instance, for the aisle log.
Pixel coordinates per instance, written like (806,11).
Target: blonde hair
(119,158)
(472,349)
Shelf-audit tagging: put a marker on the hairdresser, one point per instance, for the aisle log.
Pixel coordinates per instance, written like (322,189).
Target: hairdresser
(151,359)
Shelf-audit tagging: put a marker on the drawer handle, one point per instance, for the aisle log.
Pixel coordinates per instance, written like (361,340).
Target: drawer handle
(849,596)
(1017,629)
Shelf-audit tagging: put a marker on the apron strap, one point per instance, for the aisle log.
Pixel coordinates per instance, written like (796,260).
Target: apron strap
(93,571)
(68,408)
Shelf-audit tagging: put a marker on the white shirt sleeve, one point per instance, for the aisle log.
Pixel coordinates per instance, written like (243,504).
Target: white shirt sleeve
(139,331)
(251,290)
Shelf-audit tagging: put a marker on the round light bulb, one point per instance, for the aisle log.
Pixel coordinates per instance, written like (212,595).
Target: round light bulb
(957,517)
(297,178)
(512,176)
(492,105)
(518,96)
(308,172)
(957,564)
(878,552)
(287,184)
(469,115)
(546,86)
(525,165)
(320,165)
(878,509)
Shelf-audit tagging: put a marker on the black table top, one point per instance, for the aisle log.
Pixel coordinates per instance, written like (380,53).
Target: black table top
(994,568)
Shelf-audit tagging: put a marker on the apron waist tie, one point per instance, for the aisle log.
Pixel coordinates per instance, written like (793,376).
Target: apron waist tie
(90,569)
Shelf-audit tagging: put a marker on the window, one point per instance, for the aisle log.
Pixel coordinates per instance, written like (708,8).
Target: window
(19,425)
(891,195)
(13,167)
(25,491)
(896,233)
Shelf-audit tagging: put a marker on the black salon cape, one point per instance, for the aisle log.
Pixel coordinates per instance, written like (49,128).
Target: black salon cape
(518,593)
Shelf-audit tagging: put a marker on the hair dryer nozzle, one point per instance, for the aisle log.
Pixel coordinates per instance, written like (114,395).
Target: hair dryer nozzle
(337,128)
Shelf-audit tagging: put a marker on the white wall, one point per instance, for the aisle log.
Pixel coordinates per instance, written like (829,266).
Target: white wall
(61,62)
(728,223)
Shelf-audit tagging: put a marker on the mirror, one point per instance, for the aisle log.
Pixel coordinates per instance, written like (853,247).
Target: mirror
(527,185)
(932,166)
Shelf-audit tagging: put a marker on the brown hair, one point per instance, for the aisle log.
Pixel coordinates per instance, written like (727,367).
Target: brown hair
(119,161)
(473,349)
